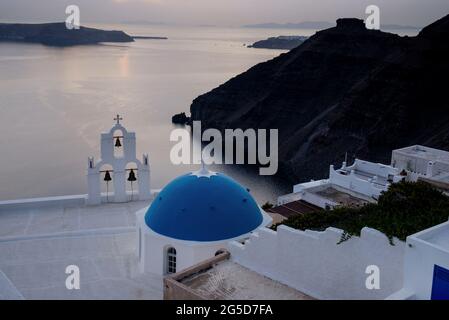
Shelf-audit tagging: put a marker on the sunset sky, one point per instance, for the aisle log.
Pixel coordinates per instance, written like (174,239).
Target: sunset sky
(223,13)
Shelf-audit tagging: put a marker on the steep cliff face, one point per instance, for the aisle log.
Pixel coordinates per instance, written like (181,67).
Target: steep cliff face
(345,90)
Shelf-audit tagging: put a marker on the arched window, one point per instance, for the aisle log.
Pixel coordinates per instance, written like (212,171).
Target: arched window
(107,181)
(171,260)
(118,144)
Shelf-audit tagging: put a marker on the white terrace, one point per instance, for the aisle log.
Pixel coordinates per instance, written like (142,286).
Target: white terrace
(39,238)
(353,185)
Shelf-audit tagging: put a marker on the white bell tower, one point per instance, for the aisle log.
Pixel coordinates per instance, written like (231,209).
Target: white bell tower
(111,142)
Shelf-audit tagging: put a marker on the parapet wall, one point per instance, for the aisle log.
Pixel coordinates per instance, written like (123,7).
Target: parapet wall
(313,263)
(355,184)
(376,169)
(7,290)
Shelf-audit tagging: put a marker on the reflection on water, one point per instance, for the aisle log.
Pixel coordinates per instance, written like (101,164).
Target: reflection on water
(124,65)
(54,102)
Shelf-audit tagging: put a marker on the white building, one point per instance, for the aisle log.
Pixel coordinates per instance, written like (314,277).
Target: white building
(422,162)
(426,265)
(192,219)
(353,185)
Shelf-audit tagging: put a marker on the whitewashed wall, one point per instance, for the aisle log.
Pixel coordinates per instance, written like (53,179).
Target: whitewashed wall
(353,183)
(152,249)
(440,167)
(409,162)
(313,263)
(377,169)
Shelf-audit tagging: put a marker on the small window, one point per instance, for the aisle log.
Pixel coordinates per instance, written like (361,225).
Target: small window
(171,260)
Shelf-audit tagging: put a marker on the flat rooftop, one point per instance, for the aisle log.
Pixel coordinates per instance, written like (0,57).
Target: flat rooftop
(228,280)
(294,208)
(342,198)
(436,236)
(40,218)
(37,243)
(425,153)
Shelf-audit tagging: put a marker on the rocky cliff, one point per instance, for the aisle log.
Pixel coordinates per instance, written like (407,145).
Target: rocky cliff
(344,90)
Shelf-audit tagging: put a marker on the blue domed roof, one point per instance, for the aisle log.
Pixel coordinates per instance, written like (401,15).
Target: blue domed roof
(199,207)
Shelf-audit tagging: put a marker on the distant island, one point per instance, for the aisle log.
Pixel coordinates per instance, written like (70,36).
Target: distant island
(144,22)
(149,38)
(281,42)
(299,25)
(397,27)
(56,34)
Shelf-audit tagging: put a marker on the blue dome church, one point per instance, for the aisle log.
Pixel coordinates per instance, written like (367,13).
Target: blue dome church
(192,218)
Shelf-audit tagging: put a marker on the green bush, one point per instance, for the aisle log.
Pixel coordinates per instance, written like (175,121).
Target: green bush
(267,205)
(406,208)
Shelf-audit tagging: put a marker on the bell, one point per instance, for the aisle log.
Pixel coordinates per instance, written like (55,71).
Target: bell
(118,143)
(107,176)
(132,176)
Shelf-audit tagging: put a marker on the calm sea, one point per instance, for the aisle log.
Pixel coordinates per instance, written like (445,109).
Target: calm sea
(54,102)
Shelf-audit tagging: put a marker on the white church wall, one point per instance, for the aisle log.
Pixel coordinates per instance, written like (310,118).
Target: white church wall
(151,259)
(312,262)
(208,251)
(153,248)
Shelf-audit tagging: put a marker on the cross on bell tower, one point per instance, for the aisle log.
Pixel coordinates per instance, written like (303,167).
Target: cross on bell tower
(118,118)
(139,171)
